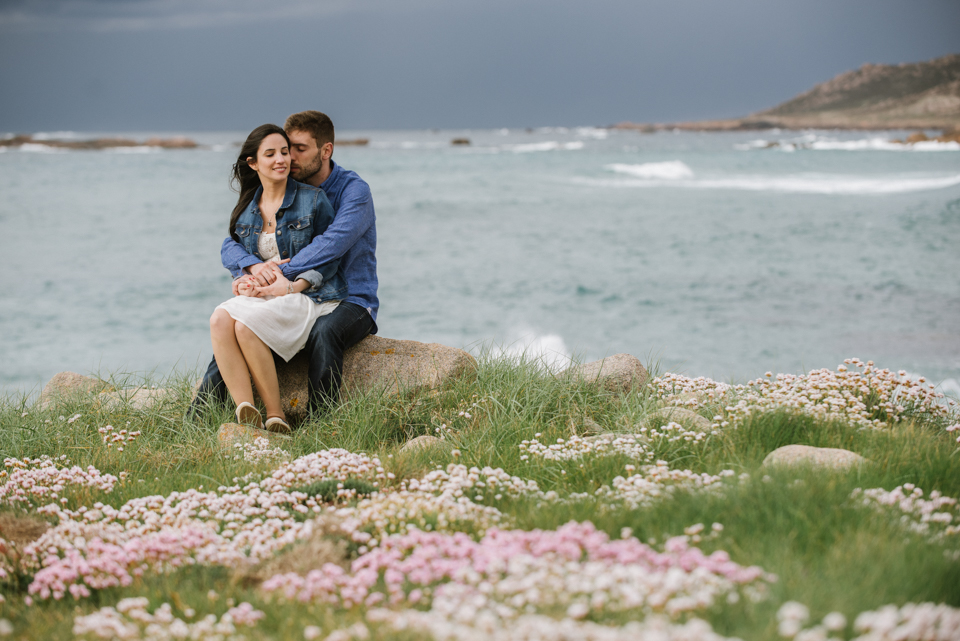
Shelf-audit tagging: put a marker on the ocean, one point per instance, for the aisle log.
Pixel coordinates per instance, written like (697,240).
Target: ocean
(715,254)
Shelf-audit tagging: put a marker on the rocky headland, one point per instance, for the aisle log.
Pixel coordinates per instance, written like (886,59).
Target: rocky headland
(919,95)
(177,142)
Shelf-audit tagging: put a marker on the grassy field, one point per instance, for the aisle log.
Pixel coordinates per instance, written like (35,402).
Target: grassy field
(691,537)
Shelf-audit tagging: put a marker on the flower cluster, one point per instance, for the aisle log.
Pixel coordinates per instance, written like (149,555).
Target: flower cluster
(260,452)
(575,569)
(576,447)
(865,396)
(935,518)
(657,482)
(954,428)
(44,479)
(693,393)
(912,622)
(109,435)
(131,619)
(792,616)
(106,546)
(449,619)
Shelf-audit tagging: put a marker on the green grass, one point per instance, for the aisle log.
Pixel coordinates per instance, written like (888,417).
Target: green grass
(795,523)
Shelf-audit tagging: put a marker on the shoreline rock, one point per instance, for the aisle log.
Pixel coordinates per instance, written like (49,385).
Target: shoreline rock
(177,142)
(619,373)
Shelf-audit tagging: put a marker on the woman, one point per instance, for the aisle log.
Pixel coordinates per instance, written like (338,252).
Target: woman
(274,218)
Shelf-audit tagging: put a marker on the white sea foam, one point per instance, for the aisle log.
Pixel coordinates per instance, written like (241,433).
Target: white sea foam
(668,170)
(133,150)
(817,143)
(550,145)
(792,183)
(54,135)
(34,147)
(593,132)
(548,350)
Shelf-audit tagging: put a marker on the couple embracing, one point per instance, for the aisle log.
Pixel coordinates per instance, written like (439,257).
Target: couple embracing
(301,248)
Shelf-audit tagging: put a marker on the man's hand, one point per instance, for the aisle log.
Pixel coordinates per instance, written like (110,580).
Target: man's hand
(264,274)
(279,284)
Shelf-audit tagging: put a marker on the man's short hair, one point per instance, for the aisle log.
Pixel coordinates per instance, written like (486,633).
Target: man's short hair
(315,123)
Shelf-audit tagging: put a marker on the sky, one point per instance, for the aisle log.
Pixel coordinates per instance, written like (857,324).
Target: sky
(202,65)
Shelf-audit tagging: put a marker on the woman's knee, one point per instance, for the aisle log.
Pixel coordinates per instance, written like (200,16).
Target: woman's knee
(244,333)
(221,322)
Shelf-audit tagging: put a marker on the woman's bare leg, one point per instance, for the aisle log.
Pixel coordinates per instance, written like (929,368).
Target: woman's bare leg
(230,358)
(259,360)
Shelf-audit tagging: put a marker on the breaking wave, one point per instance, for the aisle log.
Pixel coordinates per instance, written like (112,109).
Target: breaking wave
(669,170)
(678,175)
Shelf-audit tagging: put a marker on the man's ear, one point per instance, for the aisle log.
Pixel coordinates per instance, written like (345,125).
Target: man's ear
(326,151)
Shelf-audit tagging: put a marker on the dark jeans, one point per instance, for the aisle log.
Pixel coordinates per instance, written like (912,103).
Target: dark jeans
(330,337)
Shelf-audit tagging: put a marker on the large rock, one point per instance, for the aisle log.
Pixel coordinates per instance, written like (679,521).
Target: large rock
(619,373)
(825,457)
(377,364)
(681,415)
(66,385)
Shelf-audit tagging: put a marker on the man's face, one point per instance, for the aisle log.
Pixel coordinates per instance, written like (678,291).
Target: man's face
(305,156)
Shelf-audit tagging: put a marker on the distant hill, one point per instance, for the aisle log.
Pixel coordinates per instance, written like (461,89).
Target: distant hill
(919,95)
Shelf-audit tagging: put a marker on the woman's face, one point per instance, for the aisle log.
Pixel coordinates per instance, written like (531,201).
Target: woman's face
(273,158)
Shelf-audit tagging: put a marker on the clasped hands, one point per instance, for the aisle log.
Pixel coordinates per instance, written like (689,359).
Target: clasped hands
(265,279)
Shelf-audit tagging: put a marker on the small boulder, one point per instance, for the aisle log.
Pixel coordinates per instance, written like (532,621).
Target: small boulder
(424,442)
(68,384)
(681,415)
(618,373)
(826,457)
(230,434)
(138,398)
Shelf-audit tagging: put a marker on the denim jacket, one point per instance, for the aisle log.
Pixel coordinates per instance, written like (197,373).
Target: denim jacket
(304,214)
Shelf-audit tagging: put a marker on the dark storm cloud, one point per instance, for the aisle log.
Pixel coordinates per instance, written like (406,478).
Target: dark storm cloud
(224,64)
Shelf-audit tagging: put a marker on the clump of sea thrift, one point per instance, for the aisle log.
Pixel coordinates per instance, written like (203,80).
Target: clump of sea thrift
(865,395)
(44,479)
(935,518)
(658,482)
(576,569)
(259,451)
(131,619)
(110,436)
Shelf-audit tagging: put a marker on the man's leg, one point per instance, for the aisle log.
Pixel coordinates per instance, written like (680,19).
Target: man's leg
(212,391)
(330,337)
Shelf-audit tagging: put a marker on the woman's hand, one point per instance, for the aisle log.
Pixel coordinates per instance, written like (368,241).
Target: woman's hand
(247,286)
(279,286)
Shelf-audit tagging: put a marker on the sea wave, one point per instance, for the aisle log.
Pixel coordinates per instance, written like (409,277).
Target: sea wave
(54,135)
(550,145)
(790,183)
(33,147)
(547,350)
(818,143)
(668,170)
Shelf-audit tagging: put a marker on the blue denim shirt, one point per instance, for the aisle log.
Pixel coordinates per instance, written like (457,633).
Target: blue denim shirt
(352,237)
(304,214)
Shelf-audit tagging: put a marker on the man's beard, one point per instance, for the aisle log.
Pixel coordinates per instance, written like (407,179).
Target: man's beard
(306,172)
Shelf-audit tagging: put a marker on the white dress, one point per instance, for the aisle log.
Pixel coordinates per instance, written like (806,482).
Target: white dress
(282,322)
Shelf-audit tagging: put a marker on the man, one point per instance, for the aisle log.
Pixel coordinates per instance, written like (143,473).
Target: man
(351,237)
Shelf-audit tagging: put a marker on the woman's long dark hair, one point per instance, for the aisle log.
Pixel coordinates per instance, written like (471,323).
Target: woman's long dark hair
(245,179)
